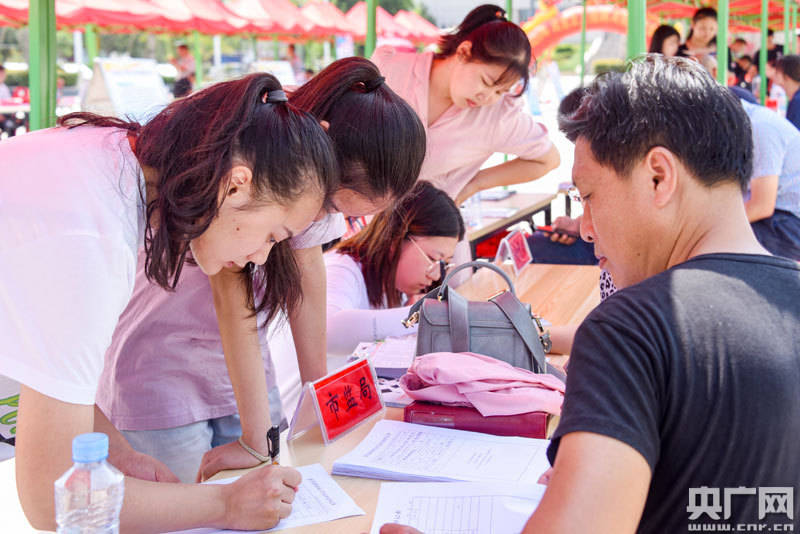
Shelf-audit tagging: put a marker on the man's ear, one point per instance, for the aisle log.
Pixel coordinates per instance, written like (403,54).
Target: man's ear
(239,186)
(663,169)
(464,51)
(325,125)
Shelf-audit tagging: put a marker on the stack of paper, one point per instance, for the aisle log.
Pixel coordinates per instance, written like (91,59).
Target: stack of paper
(406,452)
(319,499)
(390,357)
(461,507)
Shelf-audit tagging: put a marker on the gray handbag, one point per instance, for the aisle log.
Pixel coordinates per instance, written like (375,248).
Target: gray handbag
(501,327)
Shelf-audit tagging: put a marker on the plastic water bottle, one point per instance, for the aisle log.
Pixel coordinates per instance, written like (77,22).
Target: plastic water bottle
(89,494)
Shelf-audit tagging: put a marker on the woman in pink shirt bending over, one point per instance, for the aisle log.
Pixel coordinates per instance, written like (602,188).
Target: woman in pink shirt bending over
(467,97)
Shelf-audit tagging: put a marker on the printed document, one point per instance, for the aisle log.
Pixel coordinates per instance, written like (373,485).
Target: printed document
(406,452)
(390,357)
(457,507)
(318,499)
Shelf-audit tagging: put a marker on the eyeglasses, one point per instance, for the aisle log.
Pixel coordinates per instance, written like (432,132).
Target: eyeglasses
(432,264)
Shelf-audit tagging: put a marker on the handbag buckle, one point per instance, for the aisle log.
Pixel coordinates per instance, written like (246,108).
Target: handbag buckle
(412,320)
(544,335)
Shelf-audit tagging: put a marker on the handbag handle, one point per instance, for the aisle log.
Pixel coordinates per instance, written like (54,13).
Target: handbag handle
(439,292)
(477,265)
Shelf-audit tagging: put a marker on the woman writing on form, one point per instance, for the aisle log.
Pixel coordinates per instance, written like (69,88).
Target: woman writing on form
(374,276)
(219,177)
(202,395)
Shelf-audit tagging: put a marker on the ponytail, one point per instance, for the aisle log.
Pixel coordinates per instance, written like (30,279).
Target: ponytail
(192,145)
(379,139)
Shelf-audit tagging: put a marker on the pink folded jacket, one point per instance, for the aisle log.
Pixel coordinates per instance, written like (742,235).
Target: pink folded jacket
(492,386)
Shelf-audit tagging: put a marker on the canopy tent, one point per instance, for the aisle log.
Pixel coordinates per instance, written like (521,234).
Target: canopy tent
(14,12)
(206,16)
(277,17)
(327,16)
(422,30)
(385,25)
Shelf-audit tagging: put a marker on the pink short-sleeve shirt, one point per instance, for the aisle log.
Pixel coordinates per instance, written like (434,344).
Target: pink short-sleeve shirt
(165,366)
(461,140)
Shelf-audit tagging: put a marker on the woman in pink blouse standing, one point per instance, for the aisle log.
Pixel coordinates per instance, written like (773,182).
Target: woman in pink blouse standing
(467,97)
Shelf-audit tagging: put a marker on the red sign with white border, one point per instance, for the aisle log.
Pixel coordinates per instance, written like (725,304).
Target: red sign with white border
(341,401)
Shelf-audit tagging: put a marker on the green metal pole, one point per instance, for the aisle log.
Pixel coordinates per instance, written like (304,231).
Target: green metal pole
(762,56)
(510,10)
(369,45)
(91,39)
(637,10)
(722,42)
(42,61)
(786,30)
(583,42)
(198,58)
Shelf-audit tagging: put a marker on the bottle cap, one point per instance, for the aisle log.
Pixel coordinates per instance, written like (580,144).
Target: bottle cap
(92,447)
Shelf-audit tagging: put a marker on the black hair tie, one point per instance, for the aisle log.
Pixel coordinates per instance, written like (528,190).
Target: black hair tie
(276,96)
(368,86)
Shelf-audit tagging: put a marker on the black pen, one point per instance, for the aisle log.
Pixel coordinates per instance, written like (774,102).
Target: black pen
(274,443)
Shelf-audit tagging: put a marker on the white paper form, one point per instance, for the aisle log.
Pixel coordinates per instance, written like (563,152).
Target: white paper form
(391,357)
(457,507)
(318,499)
(394,450)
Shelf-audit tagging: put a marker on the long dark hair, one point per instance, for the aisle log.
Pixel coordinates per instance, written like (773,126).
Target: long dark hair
(192,145)
(426,211)
(494,40)
(700,14)
(662,33)
(379,139)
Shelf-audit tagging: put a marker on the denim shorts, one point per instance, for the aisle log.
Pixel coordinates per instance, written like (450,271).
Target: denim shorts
(182,448)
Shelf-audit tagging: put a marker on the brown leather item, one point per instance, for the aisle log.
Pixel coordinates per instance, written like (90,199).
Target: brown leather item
(526,425)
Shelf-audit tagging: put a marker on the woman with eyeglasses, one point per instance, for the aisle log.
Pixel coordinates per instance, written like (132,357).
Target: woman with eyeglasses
(376,275)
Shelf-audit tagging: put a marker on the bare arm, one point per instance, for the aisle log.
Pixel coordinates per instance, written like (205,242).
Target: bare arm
(308,321)
(562,336)
(122,456)
(238,329)
(45,430)
(515,171)
(598,485)
(763,194)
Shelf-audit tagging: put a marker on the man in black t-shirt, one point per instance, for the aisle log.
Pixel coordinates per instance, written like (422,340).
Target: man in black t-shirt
(682,406)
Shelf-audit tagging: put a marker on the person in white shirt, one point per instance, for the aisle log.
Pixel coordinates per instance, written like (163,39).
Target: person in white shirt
(220,179)
(377,274)
(184,63)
